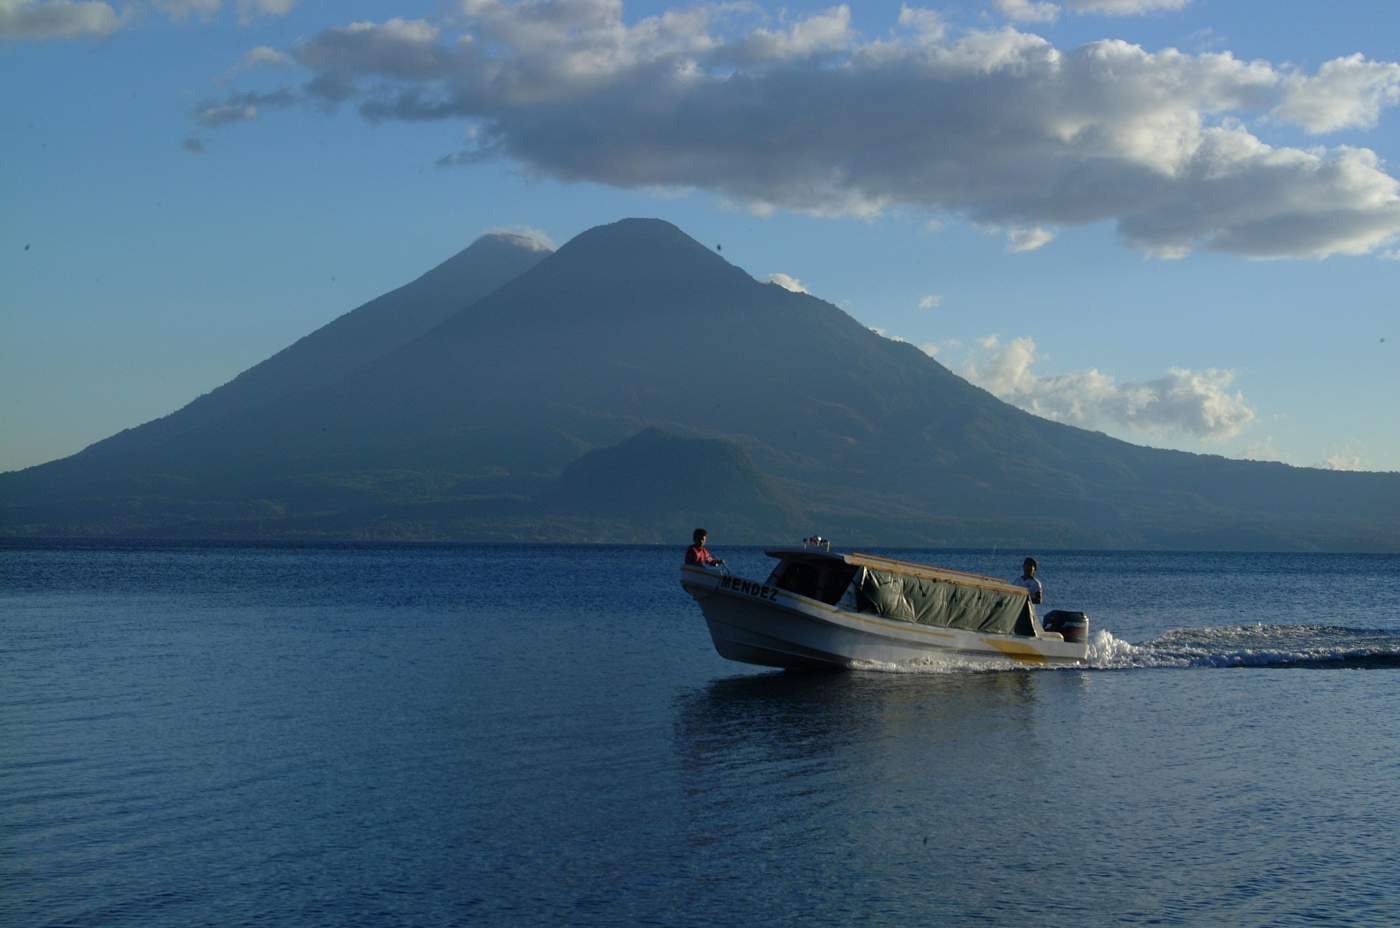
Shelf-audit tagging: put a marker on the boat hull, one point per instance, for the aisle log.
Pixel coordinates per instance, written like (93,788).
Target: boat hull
(758,624)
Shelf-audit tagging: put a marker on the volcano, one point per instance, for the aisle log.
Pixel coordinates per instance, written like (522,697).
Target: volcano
(632,382)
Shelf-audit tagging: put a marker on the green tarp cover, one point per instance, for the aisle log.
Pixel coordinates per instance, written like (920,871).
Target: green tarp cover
(938,602)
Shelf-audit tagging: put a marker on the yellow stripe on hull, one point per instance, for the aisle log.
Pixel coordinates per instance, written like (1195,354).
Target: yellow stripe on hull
(1016,650)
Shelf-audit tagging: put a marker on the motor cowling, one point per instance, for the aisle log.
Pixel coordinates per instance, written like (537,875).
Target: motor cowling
(1074,626)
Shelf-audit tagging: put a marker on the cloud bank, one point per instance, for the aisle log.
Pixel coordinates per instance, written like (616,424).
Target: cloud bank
(1196,403)
(1343,460)
(62,19)
(998,126)
(36,20)
(1035,11)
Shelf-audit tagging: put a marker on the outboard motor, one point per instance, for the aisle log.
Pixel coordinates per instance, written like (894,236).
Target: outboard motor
(1074,626)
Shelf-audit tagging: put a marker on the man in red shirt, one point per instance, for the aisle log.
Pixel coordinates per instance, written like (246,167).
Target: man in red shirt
(696,553)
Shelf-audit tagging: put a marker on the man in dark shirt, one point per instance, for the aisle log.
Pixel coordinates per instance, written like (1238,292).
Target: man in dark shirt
(696,553)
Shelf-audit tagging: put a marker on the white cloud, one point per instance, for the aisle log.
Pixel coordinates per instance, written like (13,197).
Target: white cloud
(544,51)
(76,19)
(529,237)
(60,19)
(928,25)
(883,334)
(264,56)
(931,301)
(999,127)
(1023,240)
(1031,11)
(818,34)
(261,57)
(1344,458)
(1343,461)
(1125,7)
(242,107)
(1346,93)
(787,282)
(402,51)
(1182,401)
(221,114)
(1027,11)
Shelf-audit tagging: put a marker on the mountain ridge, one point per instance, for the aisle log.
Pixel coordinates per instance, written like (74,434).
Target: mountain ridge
(635,326)
(350,340)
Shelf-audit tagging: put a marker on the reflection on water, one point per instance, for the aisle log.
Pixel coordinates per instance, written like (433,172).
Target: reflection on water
(789,720)
(792,738)
(870,779)
(796,713)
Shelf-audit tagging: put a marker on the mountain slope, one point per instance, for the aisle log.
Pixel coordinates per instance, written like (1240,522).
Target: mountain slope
(336,349)
(663,485)
(470,425)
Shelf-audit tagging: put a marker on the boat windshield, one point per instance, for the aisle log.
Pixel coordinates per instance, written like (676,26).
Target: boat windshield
(821,578)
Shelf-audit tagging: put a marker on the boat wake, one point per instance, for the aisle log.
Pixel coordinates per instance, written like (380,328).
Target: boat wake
(1281,646)
(1307,646)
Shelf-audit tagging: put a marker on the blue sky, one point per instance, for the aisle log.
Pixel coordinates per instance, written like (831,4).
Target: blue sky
(1192,249)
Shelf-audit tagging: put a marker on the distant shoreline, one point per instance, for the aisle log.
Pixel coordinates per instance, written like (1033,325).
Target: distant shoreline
(104,543)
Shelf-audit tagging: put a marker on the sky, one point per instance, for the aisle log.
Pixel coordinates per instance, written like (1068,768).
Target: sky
(1173,221)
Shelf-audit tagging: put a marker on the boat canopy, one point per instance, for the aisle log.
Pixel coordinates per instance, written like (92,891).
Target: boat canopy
(906,591)
(812,573)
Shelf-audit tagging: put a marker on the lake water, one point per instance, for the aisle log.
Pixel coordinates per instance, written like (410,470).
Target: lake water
(434,736)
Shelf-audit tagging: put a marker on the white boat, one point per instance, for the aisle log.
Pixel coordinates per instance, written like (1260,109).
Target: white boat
(820,609)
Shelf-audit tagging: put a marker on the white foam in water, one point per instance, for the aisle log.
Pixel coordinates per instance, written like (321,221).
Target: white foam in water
(1109,653)
(942,663)
(1105,653)
(1256,645)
